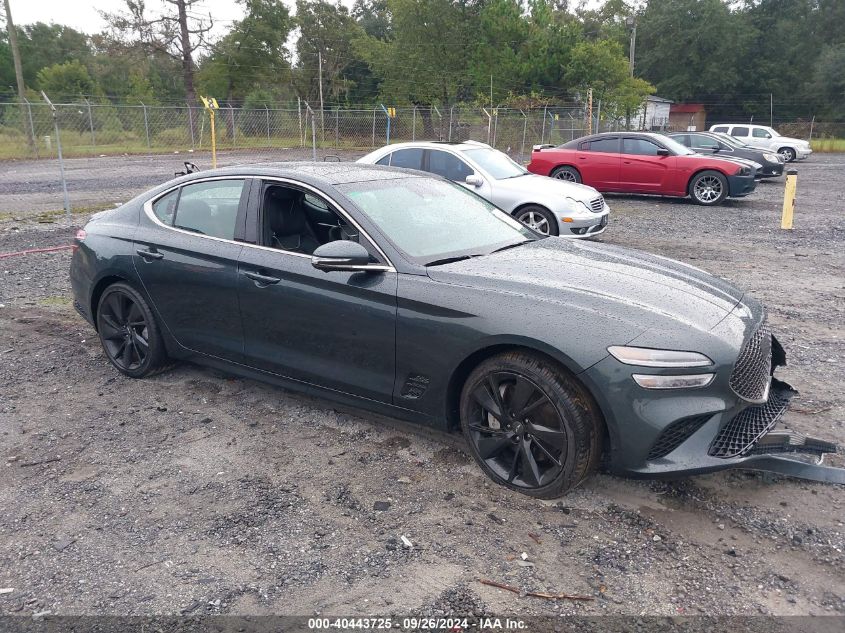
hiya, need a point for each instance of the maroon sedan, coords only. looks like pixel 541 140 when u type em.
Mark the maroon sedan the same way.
pixel 641 162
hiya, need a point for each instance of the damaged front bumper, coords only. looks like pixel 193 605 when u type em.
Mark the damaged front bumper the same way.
pixel 749 440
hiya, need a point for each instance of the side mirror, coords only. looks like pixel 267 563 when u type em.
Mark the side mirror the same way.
pixel 662 151
pixel 474 180
pixel 341 255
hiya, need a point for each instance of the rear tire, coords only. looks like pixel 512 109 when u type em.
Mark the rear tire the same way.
pixel 529 425
pixel 538 218
pixel 708 188
pixel 567 173
pixel 788 154
pixel 129 333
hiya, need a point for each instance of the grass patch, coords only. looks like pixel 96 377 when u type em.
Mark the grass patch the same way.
pixel 54 214
pixel 828 144
pixel 55 302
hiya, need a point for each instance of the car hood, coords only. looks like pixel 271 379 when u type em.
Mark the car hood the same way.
pixel 620 283
pixel 534 185
pixel 789 139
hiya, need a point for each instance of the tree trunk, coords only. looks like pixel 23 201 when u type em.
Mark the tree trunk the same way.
pixel 187 58
pixel 16 57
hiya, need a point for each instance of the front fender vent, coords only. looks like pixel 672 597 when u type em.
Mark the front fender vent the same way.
pixel 414 386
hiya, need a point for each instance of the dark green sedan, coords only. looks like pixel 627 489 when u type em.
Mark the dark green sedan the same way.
pixel 402 293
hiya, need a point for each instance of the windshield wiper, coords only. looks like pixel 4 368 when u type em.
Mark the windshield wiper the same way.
pixel 504 248
pixel 449 260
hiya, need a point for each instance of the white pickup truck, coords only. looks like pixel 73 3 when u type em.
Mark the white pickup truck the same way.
pixel 764 137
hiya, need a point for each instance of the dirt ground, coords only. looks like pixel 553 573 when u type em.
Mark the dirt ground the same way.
pixel 198 493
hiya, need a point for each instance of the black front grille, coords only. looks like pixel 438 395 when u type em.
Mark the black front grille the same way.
pixel 597 204
pixel 676 434
pixel 737 437
pixel 753 368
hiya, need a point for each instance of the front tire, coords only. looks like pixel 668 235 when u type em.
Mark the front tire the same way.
pixel 708 188
pixel 567 173
pixel 788 154
pixel 538 218
pixel 129 333
pixel 529 425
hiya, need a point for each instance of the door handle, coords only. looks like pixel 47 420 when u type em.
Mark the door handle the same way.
pixel 262 280
pixel 148 255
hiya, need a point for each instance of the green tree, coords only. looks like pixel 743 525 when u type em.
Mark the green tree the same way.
pixel 49 44
pixel 326 32
pixel 66 82
pixel 252 55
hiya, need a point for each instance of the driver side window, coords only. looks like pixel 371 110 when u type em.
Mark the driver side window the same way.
pixel 300 222
pixel 758 133
pixel 448 165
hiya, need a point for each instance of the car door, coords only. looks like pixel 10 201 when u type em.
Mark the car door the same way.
pixel 760 138
pixel 643 169
pixel 187 259
pixel 598 163
pixel 333 329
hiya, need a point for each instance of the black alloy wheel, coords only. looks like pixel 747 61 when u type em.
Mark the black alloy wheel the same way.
pixel 528 425
pixel 128 332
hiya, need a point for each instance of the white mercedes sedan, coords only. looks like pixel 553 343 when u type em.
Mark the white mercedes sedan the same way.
pixel 547 205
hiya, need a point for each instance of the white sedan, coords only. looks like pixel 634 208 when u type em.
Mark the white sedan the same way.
pixel 547 205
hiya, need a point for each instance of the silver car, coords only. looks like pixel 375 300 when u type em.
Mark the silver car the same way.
pixel 547 205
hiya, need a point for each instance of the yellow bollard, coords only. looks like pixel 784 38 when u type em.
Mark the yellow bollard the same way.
pixel 210 104
pixel 789 199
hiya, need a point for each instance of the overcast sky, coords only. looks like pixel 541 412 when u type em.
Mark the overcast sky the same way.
pixel 82 14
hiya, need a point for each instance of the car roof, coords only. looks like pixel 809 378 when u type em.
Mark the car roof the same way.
pixel 331 173
pixel 459 146
pixel 591 137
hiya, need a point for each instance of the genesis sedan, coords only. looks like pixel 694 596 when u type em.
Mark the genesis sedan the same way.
pixel 406 294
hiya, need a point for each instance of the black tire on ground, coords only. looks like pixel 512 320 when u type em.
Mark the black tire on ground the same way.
pixel 129 333
pixel 538 218
pixel 788 154
pixel 530 426
pixel 567 173
pixel 708 188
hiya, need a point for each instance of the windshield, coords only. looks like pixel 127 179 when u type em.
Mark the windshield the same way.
pixel 675 147
pixel 496 163
pixel 430 219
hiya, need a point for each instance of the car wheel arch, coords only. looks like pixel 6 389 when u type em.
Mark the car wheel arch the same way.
pixel 99 288
pixel 570 165
pixel 464 368
pixel 701 170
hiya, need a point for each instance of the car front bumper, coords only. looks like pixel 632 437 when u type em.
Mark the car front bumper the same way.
pixel 739 186
pixel 583 225
pixel 771 170
pixel 803 152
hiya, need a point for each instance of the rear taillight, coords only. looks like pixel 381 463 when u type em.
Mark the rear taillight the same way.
pixel 81 235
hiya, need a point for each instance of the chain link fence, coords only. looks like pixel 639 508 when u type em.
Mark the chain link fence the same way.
pixel 95 129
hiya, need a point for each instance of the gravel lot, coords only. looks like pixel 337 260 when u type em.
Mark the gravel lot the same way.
pixel 199 493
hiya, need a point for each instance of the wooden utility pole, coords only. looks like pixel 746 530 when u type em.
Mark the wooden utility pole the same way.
pixel 590 111
pixel 322 111
pixel 16 58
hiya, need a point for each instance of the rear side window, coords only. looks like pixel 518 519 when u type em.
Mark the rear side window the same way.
pixel 722 128
pixel 739 131
pixel 639 147
pixel 210 208
pixel 165 207
pixel 408 158
pixel 610 145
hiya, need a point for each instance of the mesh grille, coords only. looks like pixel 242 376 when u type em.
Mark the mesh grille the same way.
pixel 597 204
pixel 676 434
pixel 750 376
pixel 737 437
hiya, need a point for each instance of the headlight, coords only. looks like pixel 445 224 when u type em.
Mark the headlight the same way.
pixel 577 207
pixel 646 357
pixel 743 171
pixel 689 381
pixel 772 158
